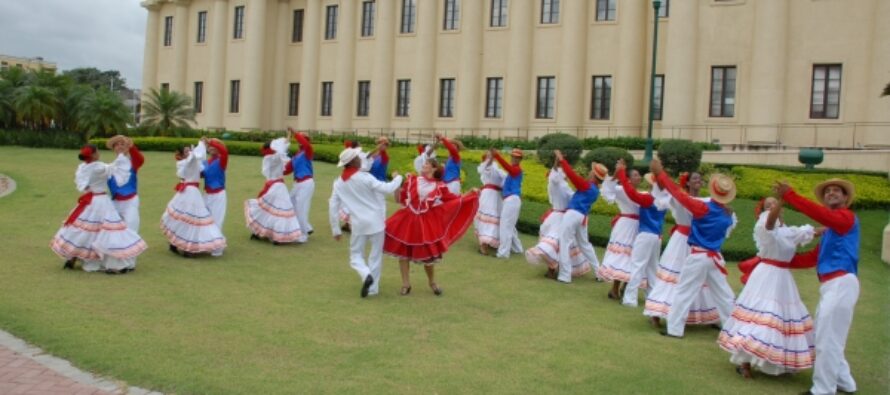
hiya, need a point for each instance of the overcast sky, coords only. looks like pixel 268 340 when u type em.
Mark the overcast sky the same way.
pixel 106 34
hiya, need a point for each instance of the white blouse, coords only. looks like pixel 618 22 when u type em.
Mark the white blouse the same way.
pixel 490 174
pixel 273 165
pixel 93 176
pixel 190 168
pixel 781 243
pixel 558 191
pixel 614 193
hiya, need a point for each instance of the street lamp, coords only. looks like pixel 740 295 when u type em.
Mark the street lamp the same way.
pixel 656 4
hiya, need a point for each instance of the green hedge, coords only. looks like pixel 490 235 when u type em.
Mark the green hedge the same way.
pixel 679 156
pixel 568 144
pixel 41 138
pixel 637 143
pixel 608 156
pixel 755 183
pixel 799 169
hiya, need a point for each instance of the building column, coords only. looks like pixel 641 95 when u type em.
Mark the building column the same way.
pixel 519 83
pixel 423 86
pixel 880 76
pixel 470 78
pixel 679 98
pixel 215 88
pixel 152 41
pixel 279 84
pixel 252 87
pixel 382 81
pixel 309 86
pixel 768 66
pixel 344 84
pixel 571 80
pixel 629 91
pixel 180 47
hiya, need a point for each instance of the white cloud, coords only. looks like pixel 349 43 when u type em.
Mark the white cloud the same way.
pixel 106 34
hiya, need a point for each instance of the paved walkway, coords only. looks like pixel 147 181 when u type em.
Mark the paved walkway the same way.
pixel 27 370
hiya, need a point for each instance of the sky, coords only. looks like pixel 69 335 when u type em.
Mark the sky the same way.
pixel 105 34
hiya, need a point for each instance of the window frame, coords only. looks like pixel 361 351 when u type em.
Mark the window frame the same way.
pixel 327 98
pixel 238 23
pixel 293 99
pixel 824 114
pixel 296 35
pixel 369 11
pixel 408 23
pixel 549 12
pixel 451 15
pixel 363 99
pixel 608 11
pixel 664 10
pixel 499 19
pixel 601 98
pixel 494 104
pixel 198 100
pixel 403 98
pixel 723 111
pixel 331 14
pixel 446 97
pixel 545 107
pixel 234 96
pixel 202 27
pixel 658 109
pixel 168 31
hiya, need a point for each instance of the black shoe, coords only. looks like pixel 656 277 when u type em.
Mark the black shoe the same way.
pixel 666 334
pixel 254 237
pixel 367 285
pixel 275 243
pixel 128 270
pixel 310 232
pixel 69 264
pixel 188 255
pixel 716 326
pixel 173 249
pixel 112 272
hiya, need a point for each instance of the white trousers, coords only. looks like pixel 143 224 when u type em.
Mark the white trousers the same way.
pixel 216 203
pixel 454 186
pixel 374 264
pixel 698 269
pixel 573 230
pixel 301 197
pixel 834 315
pixel 129 211
pixel 509 237
pixel 644 264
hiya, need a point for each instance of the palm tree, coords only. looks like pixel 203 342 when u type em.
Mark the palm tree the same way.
pixel 35 106
pixel 102 111
pixel 164 110
pixel 71 98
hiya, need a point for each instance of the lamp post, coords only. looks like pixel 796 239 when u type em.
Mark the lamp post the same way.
pixel 656 5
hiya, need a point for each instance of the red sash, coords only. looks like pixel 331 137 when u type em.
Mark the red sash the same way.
pixel 301 179
pixel 268 185
pixel 492 187
pixel 548 212
pixel 122 198
pixel 183 185
pixel 824 278
pixel 213 190
pixel 82 202
pixel 619 216
pixel 714 255
pixel 683 229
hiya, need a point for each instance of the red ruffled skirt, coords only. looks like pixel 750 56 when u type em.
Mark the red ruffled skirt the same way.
pixel 425 237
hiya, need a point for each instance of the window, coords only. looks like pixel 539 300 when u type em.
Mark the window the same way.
pixel 293 99
pixel 165 87
pixel 722 91
pixel 297 33
pixel 498 13
pixel 825 100
pixel 4 66
pixel 663 10
pixel 234 96
pixel 605 10
pixel 202 26
pixel 403 100
pixel 368 18
pixel 199 96
pixel 601 102
pixel 238 28
pixel 364 98
pixel 168 31
pixel 446 98
pixel 546 96
pixel 549 11
pixel 409 16
pixel 659 97
pixel 330 27
pixel 494 97
pixel 327 97
pixel 452 15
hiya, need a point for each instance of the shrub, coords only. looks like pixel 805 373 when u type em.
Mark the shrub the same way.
pixel 41 138
pixel 753 183
pixel 637 143
pixel 568 144
pixel 679 155
pixel 607 156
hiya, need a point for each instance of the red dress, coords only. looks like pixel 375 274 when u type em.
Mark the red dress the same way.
pixel 431 220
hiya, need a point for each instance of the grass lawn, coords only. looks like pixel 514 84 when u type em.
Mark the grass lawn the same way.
pixel 269 319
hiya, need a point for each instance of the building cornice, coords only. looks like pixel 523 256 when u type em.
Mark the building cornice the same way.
pixel 154 5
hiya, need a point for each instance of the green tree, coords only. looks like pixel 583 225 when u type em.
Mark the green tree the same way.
pixel 35 106
pixel 164 110
pixel 97 79
pixel 102 111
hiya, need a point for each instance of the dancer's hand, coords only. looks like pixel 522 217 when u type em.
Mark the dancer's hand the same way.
pixel 337 237
pixel 655 167
pixel 620 165
pixel 781 188
pixel 819 231
pixel 395 174
pixel 558 155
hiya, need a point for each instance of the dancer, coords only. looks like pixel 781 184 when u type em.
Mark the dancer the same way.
pixel 187 222
pixel 616 265
pixel 573 227
pixel 304 185
pixel 124 193
pixel 711 224
pixel 512 191
pixel 837 262
pixel 424 153
pixel 363 195
pixel 272 215
pixel 451 174
pixel 214 174
pixel 380 159
pixel 703 311
pixel 647 244
pixel 488 217
pixel 770 328
pixel 94 232
pixel 431 220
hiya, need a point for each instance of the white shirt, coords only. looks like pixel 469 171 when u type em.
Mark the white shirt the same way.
pixel 558 190
pixel 491 174
pixel 189 169
pixel 422 158
pixel 363 196
pixel 273 165
pixel 614 193
pixel 781 243
pixel 94 176
pixel 121 169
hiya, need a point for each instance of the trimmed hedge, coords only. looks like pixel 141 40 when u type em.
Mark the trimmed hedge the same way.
pixel 755 183
pixel 42 138
pixel 798 169
pixel 679 155
pixel 608 156
pixel 637 143
pixel 568 144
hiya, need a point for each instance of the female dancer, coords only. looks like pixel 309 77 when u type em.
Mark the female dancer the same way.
pixel 187 222
pixel 304 183
pixel 94 231
pixel 124 193
pixel 431 220
pixel 488 218
pixel 770 328
pixel 616 265
pixel 272 214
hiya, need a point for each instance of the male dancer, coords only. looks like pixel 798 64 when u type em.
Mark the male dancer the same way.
pixel 451 177
pixel 215 182
pixel 509 237
pixel 125 196
pixel 304 184
pixel 573 228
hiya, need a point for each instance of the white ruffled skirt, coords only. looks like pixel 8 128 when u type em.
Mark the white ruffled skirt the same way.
pixel 188 224
pixel 547 249
pixel 273 216
pixel 616 264
pixel 658 303
pixel 488 218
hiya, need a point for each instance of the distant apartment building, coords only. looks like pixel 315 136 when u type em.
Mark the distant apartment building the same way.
pixel 37 63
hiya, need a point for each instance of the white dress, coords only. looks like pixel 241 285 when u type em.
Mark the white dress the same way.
pixel 187 223
pixel 770 327
pixel 488 218
pixel 616 264
pixel 273 215
pixel 659 301
pixel 98 235
pixel 547 249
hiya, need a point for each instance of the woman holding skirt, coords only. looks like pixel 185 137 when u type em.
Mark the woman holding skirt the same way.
pixel 616 266
pixel 488 218
pixel 272 214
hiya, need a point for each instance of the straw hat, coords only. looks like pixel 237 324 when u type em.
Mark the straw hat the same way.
pixel 516 152
pixel 600 171
pixel 119 139
pixel 383 140
pixel 847 186
pixel 722 188
pixel 347 156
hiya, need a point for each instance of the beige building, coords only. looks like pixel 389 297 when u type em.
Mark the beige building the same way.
pixel 37 63
pixel 769 72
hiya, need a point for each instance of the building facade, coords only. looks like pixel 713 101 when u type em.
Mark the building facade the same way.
pixel 768 72
pixel 7 61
